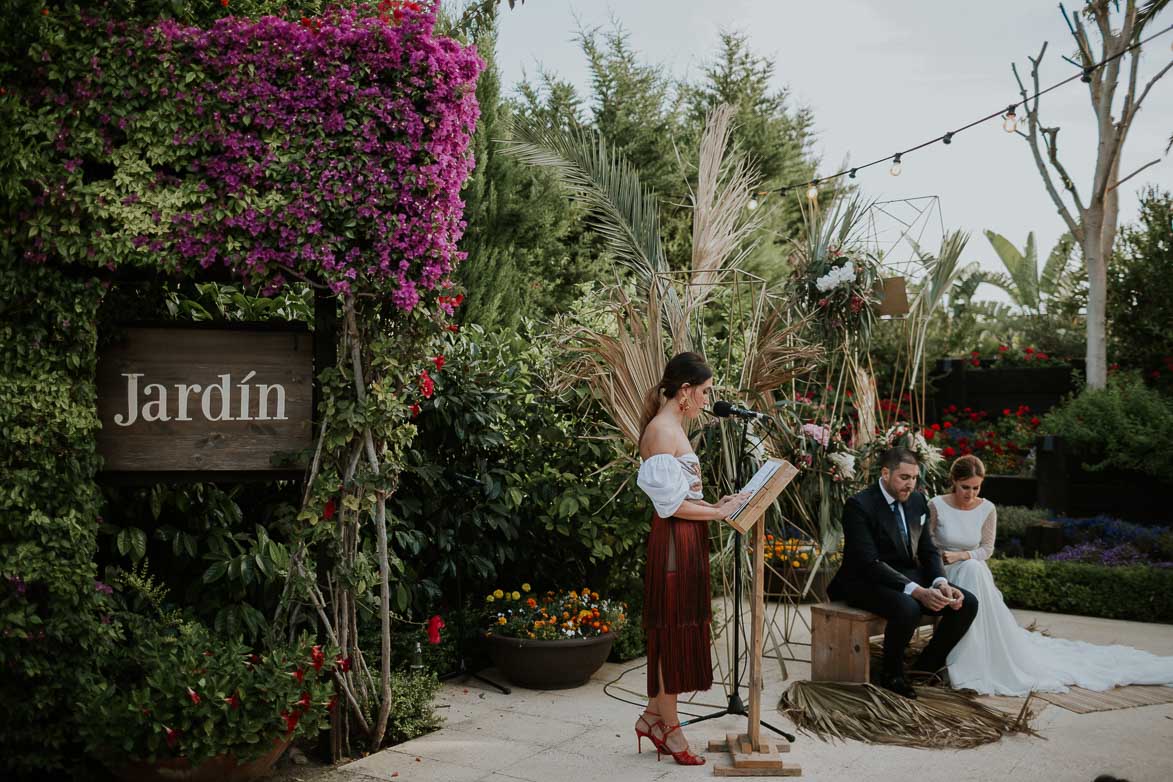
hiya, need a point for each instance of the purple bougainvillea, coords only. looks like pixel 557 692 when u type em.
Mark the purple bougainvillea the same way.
pixel 332 149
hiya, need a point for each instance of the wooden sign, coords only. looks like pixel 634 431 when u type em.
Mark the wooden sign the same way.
pixel 214 400
pixel 893 295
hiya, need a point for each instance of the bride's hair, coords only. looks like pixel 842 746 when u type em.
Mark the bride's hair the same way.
pixel 683 368
pixel 966 467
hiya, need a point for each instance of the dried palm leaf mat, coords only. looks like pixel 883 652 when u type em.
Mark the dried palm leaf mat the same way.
pixel 939 719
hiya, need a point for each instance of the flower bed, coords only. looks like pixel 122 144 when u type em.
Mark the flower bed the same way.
pixel 553 615
pixel 1003 442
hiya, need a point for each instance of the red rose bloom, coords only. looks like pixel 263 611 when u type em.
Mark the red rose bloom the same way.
pixel 949 452
pixel 435 625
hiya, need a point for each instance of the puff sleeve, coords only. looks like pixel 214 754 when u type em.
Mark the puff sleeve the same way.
pixel 665 483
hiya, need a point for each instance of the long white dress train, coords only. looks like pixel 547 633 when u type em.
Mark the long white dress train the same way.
pixel 998 656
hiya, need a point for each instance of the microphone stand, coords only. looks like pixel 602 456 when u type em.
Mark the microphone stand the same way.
pixel 736 706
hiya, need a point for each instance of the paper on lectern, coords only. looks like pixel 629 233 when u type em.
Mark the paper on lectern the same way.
pixel 756 483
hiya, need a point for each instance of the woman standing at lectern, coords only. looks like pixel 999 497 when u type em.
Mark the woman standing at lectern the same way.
pixel 677 600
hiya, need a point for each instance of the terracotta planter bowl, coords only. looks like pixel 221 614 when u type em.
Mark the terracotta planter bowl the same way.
pixel 222 768
pixel 549 665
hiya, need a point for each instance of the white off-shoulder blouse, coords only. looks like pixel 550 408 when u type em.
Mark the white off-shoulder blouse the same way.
pixel 670 480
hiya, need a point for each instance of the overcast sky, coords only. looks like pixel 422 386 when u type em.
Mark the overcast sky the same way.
pixel 883 76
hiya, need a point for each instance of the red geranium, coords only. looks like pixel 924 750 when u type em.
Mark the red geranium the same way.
pixel 435 625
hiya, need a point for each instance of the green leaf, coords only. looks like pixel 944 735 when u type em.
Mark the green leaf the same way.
pixel 215 572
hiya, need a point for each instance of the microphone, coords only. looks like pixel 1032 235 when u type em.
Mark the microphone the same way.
pixel 725 409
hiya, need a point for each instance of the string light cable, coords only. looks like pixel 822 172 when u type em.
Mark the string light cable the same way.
pixel 1007 115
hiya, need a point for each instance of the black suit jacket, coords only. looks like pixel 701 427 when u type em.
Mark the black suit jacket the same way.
pixel 874 552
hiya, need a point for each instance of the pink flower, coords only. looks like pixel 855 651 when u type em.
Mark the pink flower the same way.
pixel 820 434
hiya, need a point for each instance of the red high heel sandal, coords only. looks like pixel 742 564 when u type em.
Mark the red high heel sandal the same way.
pixel 683 757
pixel 641 735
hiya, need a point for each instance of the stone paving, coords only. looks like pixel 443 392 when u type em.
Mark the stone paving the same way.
pixel 584 735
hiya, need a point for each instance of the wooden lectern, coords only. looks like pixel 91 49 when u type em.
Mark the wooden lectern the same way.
pixel 750 756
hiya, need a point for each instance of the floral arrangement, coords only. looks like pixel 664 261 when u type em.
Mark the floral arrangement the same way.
pixel 840 288
pixel 552 616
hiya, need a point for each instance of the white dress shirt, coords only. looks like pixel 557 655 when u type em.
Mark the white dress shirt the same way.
pixel 911 586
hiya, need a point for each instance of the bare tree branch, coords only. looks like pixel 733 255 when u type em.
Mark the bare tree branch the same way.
pixel 1134 173
pixel 1051 139
pixel 1032 116
pixel 1144 93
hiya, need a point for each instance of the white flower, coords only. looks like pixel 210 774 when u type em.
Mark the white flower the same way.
pixel 840 275
pixel 844 463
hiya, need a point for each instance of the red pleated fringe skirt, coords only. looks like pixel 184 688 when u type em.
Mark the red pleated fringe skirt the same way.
pixel 677 607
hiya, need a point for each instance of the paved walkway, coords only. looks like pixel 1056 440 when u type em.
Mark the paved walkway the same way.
pixel 582 734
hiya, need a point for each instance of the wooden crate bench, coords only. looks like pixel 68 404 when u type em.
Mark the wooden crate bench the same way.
pixel 840 650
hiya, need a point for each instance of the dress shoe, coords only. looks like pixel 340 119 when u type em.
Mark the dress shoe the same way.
pixel 898 685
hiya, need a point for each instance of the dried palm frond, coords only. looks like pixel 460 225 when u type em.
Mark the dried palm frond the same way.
pixel 721 220
pixel 623 210
pixel 621 366
pixel 939 718
pixel 777 354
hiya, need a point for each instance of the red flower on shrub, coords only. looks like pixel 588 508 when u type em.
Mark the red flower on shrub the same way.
pixel 977 362
pixel 328 511
pixel 233 701
pixel 317 657
pixel 435 625
pixel 930 434
pixel 193 695
pixel 949 452
pixel 291 720
pixel 305 701
pixel 1028 351
pixel 343 663
pixel 1002 348
pixel 332 703
pixel 299 675
pixel 439 362
pixel 947 425
pixel 427 385
pixel 224 3
pixel 415 409
pixel 453 327
pixel 172 736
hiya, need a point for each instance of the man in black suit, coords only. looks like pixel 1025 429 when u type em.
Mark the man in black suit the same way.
pixel 891 568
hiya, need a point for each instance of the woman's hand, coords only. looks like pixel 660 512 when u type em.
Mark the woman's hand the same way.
pixel 730 503
pixel 954 556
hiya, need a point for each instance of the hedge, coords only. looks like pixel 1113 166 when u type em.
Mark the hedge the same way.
pixel 1138 592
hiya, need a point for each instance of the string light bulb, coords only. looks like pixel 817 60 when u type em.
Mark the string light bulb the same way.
pixel 896 166
pixel 812 192
pixel 948 138
pixel 851 175
pixel 1009 120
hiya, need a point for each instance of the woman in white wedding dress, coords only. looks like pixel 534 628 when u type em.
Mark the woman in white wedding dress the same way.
pixel 997 656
